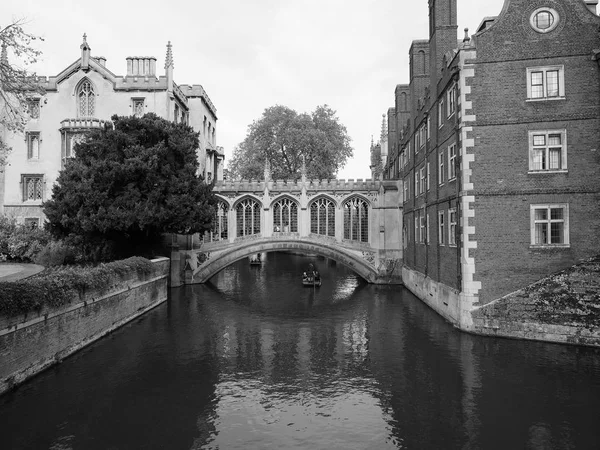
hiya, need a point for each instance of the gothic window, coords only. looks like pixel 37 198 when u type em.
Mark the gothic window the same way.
pixel 322 217
pixel 247 217
pixel 33 187
pixel 33 105
pixel 285 215
pixel 86 99
pixel 356 220
pixel 69 141
pixel 220 221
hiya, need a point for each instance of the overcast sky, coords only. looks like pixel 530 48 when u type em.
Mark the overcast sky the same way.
pixel 252 54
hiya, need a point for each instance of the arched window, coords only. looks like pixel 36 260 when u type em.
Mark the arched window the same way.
pixel 220 221
pixel 247 217
pixel 86 99
pixel 322 217
pixel 356 220
pixel 285 215
pixel 421 60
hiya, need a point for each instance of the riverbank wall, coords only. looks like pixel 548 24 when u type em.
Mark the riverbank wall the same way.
pixel 32 342
pixel 562 308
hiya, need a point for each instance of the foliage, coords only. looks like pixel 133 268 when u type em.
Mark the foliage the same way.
pixel 56 253
pixel 21 242
pixel 127 185
pixel 61 285
pixel 283 137
pixel 17 84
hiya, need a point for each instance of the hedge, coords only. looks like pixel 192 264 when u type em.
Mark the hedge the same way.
pixel 58 286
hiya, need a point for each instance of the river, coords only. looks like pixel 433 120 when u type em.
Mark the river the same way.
pixel 255 360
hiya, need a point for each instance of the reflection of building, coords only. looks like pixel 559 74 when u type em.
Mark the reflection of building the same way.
pixel 496 141
pixel 84 96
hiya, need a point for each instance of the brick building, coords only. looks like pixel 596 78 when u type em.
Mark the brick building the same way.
pixel 82 97
pixel 495 138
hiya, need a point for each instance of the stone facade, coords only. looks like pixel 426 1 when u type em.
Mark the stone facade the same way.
pixel 84 96
pixel 496 143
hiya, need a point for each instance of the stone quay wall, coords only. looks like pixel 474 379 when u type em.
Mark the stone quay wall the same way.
pixel 32 342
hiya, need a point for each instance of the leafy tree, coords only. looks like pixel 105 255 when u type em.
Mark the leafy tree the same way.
pixel 284 138
pixel 17 84
pixel 129 184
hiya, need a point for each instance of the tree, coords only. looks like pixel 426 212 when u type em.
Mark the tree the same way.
pixel 17 84
pixel 128 184
pixel 284 138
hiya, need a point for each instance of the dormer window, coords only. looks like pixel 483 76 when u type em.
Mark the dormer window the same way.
pixel 86 100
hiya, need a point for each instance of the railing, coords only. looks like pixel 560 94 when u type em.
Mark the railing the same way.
pixel 83 123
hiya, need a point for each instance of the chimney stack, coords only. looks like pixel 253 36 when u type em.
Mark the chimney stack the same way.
pixel 141 66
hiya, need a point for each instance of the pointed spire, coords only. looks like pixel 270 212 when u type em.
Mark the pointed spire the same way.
pixel 169 58
pixel 303 169
pixel 4 55
pixel 85 53
pixel 267 172
pixel 384 131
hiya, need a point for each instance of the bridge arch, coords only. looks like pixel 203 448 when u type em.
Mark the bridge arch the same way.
pixel 214 264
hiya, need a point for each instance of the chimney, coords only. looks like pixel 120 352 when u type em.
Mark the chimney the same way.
pixel 101 60
pixel 591 4
pixel 144 66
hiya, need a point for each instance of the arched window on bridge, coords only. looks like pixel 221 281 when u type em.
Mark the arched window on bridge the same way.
pixel 322 217
pixel 285 215
pixel 248 217
pixel 356 220
pixel 220 221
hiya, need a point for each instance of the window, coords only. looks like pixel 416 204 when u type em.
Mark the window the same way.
pixel 428 172
pixel 441 106
pixel 33 106
pixel 427 229
pixel 69 141
pixel 441 228
pixel 452 162
pixel 33 187
pixel 220 221
pixel 285 216
pixel 423 177
pixel 422 136
pixel 322 217
pixel 428 127
pixel 417 241
pixel 406 189
pixel 452 227
pixel 451 100
pixel 138 107
pixel 417 187
pixel 356 220
pixel 545 83
pixel 422 230
pixel 247 217
pixel 86 99
pixel 544 20
pixel 442 171
pixel 548 150
pixel 176 115
pixel 550 225
pixel 33 144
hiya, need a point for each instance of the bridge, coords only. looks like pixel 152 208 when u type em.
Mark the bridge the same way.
pixel 357 223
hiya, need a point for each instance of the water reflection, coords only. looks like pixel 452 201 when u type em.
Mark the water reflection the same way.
pixel 256 360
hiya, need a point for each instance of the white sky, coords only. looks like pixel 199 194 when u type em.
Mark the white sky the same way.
pixel 252 54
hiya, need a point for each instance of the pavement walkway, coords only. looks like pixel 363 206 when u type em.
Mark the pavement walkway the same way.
pixel 18 271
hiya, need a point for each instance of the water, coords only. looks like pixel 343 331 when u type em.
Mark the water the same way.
pixel 254 360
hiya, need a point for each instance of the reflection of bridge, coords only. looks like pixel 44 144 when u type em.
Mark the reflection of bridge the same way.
pixel 357 223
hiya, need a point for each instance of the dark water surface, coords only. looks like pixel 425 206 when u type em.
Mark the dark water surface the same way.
pixel 254 360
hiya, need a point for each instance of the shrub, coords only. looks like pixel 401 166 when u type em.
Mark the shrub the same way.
pixel 59 285
pixel 55 253
pixel 21 242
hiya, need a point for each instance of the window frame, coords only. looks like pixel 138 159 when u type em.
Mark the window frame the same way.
pixel 565 221
pixel 452 227
pixel 545 69
pixel 441 107
pixel 29 138
pixel 451 100
pixel 441 228
pixel 563 156
pixel 441 167
pixel 34 176
pixel 138 100
pixel 452 162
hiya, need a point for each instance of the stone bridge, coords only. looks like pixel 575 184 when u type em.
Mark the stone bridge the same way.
pixel 356 223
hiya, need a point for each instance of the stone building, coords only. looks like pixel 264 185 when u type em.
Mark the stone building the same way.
pixel 495 138
pixel 84 96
